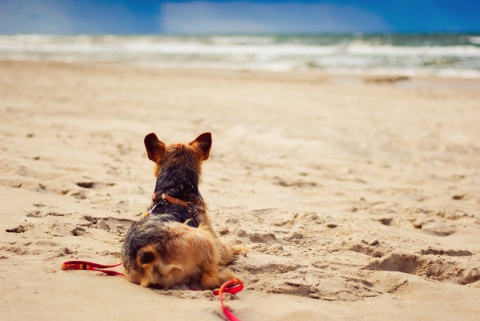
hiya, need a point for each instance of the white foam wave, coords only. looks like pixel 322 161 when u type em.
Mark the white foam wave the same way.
pixel 220 45
pixel 248 52
pixel 383 50
pixel 475 40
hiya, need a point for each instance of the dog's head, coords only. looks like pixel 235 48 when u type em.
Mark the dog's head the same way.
pixel 189 155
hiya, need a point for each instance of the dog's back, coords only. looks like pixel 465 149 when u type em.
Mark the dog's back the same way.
pixel 177 169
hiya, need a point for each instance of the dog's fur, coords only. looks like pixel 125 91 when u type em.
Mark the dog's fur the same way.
pixel 176 244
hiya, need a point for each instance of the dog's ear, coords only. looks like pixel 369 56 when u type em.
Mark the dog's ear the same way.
pixel 203 143
pixel 155 148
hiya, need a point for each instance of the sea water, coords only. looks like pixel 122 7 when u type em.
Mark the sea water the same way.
pixel 454 55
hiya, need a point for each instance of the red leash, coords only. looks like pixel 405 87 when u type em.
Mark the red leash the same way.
pixel 233 286
pixel 90 266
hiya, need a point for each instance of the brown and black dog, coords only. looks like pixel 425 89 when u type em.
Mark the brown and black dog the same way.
pixel 175 243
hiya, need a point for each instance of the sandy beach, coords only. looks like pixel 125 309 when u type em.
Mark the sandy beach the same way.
pixel 358 196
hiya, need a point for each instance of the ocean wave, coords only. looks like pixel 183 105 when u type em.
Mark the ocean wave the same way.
pixel 447 55
pixel 475 40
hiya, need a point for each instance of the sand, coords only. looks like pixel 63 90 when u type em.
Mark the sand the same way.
pixel 359 198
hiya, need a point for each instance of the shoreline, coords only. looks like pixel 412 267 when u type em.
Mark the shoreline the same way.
pixel 337 78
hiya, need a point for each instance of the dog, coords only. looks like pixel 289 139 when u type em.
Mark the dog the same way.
pixel 175 243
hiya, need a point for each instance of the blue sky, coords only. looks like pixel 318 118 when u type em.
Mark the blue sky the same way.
pixel 202 17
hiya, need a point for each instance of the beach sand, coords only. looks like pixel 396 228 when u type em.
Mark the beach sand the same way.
pixel 359 198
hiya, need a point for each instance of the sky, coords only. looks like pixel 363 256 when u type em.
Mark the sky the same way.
pixel 237 17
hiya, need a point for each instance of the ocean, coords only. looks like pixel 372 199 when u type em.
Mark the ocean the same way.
pixel 447 55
